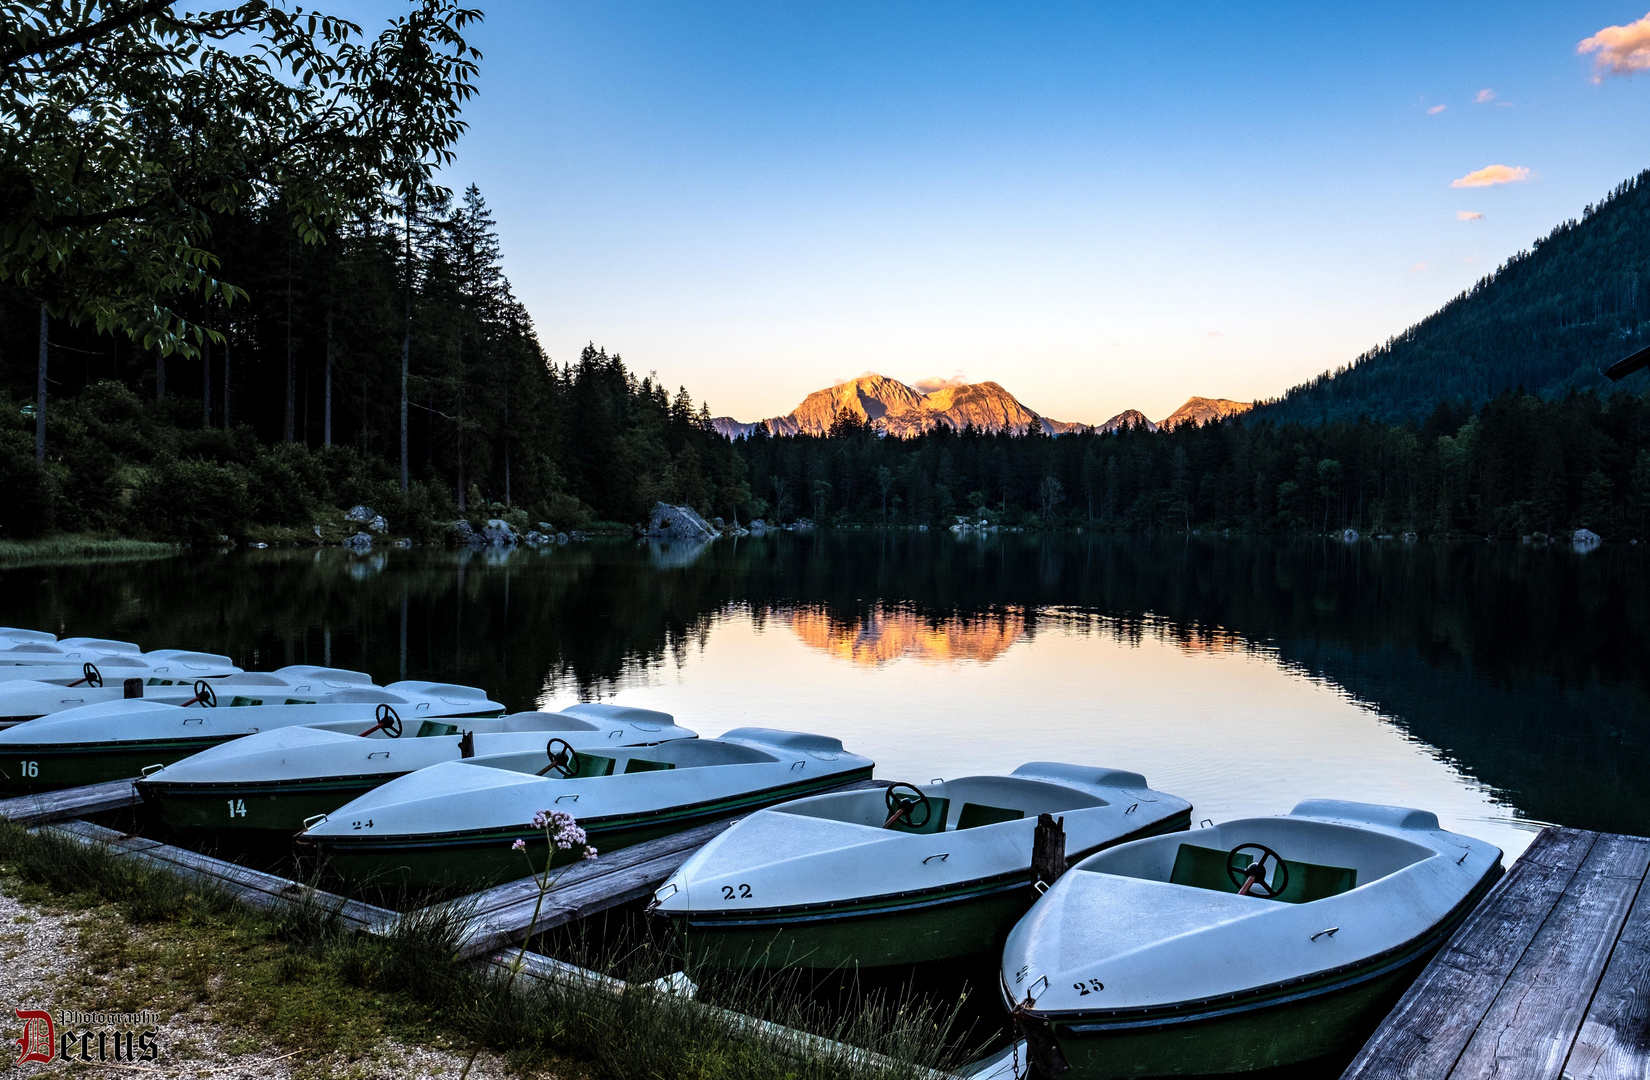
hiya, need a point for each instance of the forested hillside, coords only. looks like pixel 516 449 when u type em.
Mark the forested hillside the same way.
pixel 1548 322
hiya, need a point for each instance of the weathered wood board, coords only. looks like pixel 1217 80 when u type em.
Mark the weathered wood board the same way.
pixel 1549 978
pixel 69 803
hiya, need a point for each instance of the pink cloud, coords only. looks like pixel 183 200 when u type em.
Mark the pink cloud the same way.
pixel 1622 50
pixel 1484 96
pixel 1467 215
pixel 936 382
pixel 1436 109
pixel 1491 175
pixel 1418 267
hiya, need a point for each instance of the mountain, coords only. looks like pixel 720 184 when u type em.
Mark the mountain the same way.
pixel 1200 410
pixel 1547 320
pixel 1128 418
pixel 893 408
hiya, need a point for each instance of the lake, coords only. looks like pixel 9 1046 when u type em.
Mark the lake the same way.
pixel 1498 685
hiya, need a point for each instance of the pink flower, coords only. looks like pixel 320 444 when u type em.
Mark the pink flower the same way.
pixel 589 853
pixel 541 819
pixel 519 845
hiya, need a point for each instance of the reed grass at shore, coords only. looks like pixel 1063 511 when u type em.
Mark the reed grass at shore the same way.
pixel 299 978
pixel 79 548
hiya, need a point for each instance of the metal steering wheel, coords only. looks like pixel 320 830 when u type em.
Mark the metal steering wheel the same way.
pixel 906 806
pixel 389 721
pixel 564 760
pixel 1251 880
pixel 90 675
pixel 205 694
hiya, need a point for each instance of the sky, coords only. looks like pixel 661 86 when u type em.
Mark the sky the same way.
pixel 1100 206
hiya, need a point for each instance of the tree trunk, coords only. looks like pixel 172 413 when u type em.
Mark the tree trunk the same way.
pixel 291 404
pixel 160 377
pixel 40 388
pixel 326 427
pixel 507 447
pixel 206 383
pixel 406 344
pixel 228 336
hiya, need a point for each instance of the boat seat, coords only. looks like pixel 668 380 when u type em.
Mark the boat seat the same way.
pixel 1205 868
pixel 431 728
pixel 637 764
pixel 937 808
pixel 593 765
pixel 975 814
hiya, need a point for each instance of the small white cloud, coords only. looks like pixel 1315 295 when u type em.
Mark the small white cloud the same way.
pixel 938 382
pixel 1484 96
pixel 1418 267
pixel 1216 333
pixel 1622 50
pixel 1468 215
pixel 1436 109
pixel 1490 175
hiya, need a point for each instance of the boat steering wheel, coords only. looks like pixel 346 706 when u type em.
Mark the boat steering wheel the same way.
pixel 564 762
pixel 90 675
pixel 1251 880
pixel 204 694
pixel 904 807
pixel 389 722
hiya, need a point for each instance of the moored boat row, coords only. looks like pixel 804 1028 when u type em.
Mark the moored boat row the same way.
pixel 1162 951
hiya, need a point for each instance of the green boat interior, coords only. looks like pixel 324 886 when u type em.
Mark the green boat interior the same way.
pixel 1300 860
pixel 623 761
pixel 947 806
pixel 1302 882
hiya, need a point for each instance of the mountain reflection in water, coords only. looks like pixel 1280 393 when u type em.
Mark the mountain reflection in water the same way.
pixel 1513 674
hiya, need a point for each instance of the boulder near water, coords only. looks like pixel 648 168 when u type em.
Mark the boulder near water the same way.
pixel 669 522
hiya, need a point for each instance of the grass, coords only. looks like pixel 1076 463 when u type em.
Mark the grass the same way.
pixel 300 978
pixel 78 548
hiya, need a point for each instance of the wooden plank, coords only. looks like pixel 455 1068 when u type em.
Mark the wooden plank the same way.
pixel 1615 1036
pixel 69 802
pixel 252 887
pixel 1435 1019
pixel 1537 1015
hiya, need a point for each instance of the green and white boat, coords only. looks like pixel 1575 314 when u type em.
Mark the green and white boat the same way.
pixel 183 678
pixel 118 739
pixel 453 824
pixel 32 650
pixel 1255 944
pixel 275 780
pixel 171 665
pixel 897 877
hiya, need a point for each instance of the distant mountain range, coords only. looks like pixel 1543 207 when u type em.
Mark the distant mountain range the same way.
pixel 893 408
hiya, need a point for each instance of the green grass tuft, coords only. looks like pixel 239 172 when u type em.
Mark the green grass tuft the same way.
pixel 79 549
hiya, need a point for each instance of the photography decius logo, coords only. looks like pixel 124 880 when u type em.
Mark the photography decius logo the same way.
pixel 75 1036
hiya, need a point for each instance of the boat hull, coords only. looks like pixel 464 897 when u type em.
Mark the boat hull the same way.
pixel 272 807
pixel 1323 1017
pixel 474 860
pixel 963 919
pixel 28 770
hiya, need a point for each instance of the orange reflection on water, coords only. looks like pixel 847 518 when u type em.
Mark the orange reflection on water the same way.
pixel 890 634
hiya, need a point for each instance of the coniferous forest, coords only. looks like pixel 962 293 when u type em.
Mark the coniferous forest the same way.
pixel 226 320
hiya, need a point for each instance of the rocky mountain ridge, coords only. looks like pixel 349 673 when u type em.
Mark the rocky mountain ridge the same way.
pixel 893 408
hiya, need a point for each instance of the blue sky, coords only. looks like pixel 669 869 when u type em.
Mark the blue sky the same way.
pixel 1101 206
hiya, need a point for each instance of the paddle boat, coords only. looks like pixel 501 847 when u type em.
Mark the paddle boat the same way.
pixel 152 668
pixel 117 739
pixel 186 678
pixel 1258 943
pixel 900 876
pixel 66 650
pixel 455 823
pixel 16 635
pixel 278 779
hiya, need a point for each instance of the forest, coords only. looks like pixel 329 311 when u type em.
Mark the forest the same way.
pixel 246 320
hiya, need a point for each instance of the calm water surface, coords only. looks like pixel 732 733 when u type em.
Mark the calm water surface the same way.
pixel 1496 685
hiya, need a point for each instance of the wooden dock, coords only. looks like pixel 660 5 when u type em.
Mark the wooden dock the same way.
pixel 1548 978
